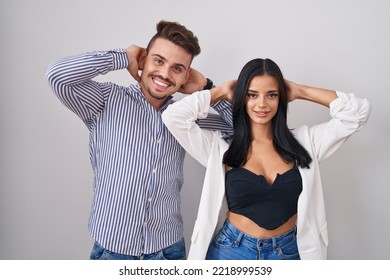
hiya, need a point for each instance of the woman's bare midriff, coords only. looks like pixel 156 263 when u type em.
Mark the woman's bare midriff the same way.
pixel 249 227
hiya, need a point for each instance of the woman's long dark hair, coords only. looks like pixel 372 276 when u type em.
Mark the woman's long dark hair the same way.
pixel 284 142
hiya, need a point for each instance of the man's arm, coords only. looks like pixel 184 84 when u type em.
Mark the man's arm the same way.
pixel 71 80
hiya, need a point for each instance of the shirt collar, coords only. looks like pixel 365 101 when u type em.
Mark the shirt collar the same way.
pixel 136 88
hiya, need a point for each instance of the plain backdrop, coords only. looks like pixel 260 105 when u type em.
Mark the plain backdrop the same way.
pixel 45 173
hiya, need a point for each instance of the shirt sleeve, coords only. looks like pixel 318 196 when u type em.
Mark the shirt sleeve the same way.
pixel 349 114
pixel 181 120
pixel 223 121
pixel 71 79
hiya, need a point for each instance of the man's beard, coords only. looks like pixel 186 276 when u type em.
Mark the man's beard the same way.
pixel 155 96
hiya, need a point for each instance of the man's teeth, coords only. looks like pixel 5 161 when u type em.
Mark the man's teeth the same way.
pixel 160 83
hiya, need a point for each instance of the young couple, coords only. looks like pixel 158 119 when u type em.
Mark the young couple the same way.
pixel 266 174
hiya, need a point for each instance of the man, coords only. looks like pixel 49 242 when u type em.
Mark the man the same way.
pixel 137 163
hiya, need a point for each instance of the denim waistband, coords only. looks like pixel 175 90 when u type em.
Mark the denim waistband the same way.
pixel 247 240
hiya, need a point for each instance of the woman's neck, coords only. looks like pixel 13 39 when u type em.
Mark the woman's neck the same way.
pixel 262 133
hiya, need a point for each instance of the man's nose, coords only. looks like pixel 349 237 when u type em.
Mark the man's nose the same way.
pixel 164 71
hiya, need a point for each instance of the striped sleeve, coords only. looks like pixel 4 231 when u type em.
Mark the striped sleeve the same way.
pixel 223 121
pixel 71 79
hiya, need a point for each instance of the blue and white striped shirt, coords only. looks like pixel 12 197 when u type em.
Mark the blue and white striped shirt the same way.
pixel 137 163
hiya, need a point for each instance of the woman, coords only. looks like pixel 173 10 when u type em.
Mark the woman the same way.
pixel 268 174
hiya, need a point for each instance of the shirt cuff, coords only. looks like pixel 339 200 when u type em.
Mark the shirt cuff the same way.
pixel 119 59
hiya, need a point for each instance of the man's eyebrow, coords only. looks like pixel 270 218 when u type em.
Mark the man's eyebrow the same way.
pixel 175 64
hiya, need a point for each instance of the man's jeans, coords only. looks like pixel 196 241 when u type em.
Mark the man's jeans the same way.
pixel 176 251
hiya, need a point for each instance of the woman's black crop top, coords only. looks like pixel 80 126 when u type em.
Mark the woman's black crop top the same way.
pixel 269 206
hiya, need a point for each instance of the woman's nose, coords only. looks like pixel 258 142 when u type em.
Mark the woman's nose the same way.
pixel 260 102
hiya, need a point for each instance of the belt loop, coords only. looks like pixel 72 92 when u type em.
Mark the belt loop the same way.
pixel 274 243
pixel 237 241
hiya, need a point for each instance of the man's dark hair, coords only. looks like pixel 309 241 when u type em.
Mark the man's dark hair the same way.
pixel 177 34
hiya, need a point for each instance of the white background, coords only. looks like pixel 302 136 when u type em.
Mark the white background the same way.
pixel 45 174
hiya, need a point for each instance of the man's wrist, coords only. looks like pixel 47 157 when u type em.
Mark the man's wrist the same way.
pixel 216 94
pixel 209 84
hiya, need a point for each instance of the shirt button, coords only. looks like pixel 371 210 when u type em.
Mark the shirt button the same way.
pixel 154 170
pixel 159 141
pixel 150 199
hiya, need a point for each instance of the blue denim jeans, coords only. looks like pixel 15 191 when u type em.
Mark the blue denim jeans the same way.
pixel 175 251
pixel 232 244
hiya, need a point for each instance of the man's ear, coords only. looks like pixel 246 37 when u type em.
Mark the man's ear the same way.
pixel 188 75
pixel 142 59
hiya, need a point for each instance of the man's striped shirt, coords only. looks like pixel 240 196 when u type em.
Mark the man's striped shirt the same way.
pixel 137 163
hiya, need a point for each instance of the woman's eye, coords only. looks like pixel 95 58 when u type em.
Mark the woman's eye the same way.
pixel 272 95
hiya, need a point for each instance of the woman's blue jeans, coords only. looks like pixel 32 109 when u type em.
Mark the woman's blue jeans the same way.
pixel 232 244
